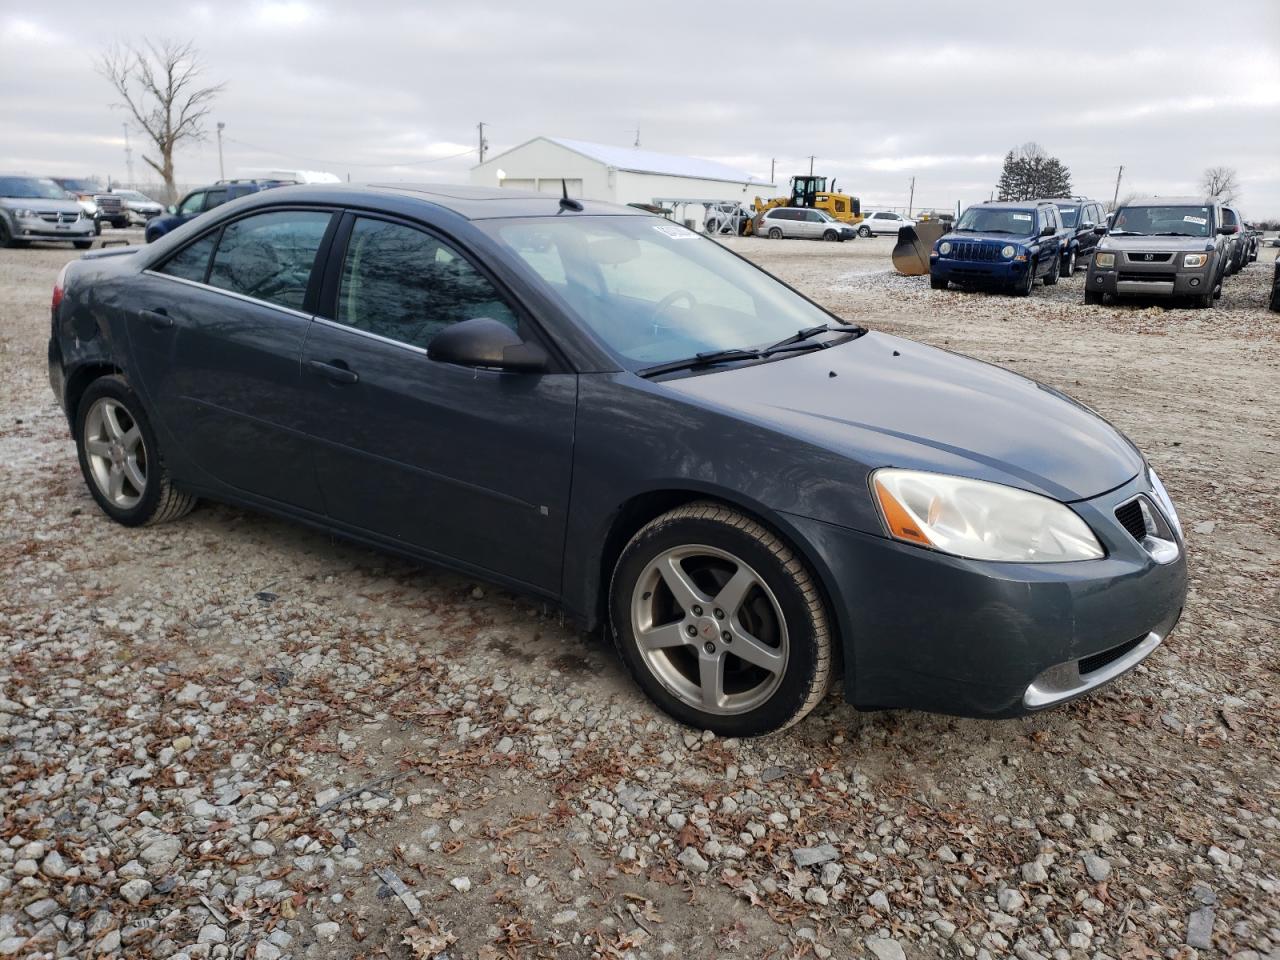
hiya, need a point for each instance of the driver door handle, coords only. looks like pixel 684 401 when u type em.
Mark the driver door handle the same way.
pixel 158 319
pixel 334 370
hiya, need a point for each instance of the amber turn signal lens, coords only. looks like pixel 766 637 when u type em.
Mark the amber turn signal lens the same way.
pixel 900 523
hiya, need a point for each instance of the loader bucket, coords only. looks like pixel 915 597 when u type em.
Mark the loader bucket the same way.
pixel 911 255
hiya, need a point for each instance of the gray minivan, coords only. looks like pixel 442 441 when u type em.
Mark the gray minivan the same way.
pixel 779 222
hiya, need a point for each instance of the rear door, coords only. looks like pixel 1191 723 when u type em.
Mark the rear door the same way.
pixel 217 337
pixel 469 464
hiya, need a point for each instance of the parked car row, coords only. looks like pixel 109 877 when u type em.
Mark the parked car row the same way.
pixel 203 199
pixel 48 219
pixel 1157 247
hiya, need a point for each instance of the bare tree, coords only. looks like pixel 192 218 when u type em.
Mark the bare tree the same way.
pixel 160 84
pixel 1220 183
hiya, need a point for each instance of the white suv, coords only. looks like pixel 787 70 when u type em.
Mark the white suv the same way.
pixel 883 221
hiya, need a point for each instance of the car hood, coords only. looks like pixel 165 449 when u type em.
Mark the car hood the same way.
pixel 885 401
pixel 37 203
pixel 1155 244
pixel 1000 238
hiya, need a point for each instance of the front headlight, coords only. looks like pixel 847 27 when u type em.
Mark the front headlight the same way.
pixel 1008 251
pixel 1195 259
pixel 26 214
pixel 945 248
pixel 980 520
pixel 1104 260
pixel 1162 497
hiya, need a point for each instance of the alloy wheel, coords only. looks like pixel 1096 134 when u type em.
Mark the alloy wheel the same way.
pixel 116 454
pixel 709 629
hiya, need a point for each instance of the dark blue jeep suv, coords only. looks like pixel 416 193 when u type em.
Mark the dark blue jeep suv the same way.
pixel 1006 243
pixel 205 198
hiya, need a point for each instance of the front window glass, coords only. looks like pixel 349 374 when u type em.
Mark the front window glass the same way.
pixel 404 284
pixel 997 220
pixel 1162 221
pixel 654 292
pixel 213 198
pixel 270 256
pixel 1070 216
pixel 192 204
pixel 31 188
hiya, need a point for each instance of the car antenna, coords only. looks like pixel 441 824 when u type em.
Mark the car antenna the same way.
pixel 565 202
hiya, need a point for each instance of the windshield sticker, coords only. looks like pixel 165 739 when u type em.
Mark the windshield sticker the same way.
pixel 1200 220
pixel 1067 209
pixel 1022 216
pixel 675 232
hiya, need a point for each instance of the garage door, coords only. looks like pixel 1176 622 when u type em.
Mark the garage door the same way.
pixel 517 184
pixel 554 186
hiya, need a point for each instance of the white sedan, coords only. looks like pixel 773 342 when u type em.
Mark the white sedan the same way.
pixel 883 221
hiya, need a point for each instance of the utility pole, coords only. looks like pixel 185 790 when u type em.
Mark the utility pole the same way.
pixel 811 159
pixel 637 138
pixel 1116 198
pixel 773 162
pixel 911 200
pixel 128 154
pixel 484 144
pixel 222 174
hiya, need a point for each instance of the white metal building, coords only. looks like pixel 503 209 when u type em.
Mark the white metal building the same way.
pixel 598 171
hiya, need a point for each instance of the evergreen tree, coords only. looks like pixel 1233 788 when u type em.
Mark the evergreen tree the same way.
pixel 1031 174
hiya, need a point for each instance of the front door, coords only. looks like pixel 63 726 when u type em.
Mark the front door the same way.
pixel 217 331
pixel 468 464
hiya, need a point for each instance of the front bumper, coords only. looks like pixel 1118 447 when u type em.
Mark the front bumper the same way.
pixel 1136 279
pixel 924 630
pixel 41 229
pixel 977 271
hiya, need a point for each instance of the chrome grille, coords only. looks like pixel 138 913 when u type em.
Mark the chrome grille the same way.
pixel 1148 257
pixel 1130 517
pixel 53 217
pixel 108 203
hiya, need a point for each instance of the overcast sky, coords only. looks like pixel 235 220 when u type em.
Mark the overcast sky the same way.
pixel 880 92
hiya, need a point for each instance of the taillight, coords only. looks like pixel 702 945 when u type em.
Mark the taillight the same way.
pixel 57 288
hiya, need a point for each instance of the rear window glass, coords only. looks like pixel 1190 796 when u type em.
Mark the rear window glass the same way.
pixel 192 261
pixel 270 256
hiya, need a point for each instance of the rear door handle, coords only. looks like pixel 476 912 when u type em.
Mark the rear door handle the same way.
pixel 335 370
pixel 158 319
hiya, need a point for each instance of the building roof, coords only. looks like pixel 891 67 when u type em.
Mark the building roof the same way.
pixel 635 160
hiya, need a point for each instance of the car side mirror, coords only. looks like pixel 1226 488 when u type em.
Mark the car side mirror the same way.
pixel 1100 229
pixel 172 208
pixel 1088 225
pixel 1226 231
pixel 484 342
pixel 1047 232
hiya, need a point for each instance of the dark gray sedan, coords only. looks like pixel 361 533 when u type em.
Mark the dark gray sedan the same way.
pixel 599 407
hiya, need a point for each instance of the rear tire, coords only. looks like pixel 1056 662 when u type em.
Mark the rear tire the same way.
pixel 775 233
pixel 864 232
pixel 760 656
pixel 120 457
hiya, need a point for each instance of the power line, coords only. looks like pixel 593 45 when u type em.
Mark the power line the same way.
pixel 343 163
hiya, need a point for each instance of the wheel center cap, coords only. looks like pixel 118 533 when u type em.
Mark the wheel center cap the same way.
pixel 708 629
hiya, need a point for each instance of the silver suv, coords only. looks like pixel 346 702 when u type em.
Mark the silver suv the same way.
pixel 803 223
pixel 36 208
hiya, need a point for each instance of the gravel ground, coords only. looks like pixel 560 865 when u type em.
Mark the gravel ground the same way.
pixel 234 737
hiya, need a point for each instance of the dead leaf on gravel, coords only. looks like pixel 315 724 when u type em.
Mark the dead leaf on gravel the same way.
pixel 429 943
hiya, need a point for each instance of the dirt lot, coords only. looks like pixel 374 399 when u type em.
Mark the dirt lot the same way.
pixel 234 737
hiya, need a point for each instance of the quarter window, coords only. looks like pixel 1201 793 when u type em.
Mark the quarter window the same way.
pixel 270 256
pixel 214 198
pixel 192 261
pixel 404 284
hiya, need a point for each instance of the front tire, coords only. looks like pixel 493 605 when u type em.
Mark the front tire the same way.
pixel 120 457
pixel 1051 276
pixel 1093 298
pixel 82 244
pixel 1069 267
pixel 830 236
pixel 937 283
pixel 1023 289
pixel 720 622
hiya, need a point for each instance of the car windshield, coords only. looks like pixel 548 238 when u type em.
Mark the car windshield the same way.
pixel 655 292
pixel 31 188
pixel 1177 221
pixel 998 220
pixel 80 186
pixel 130 194
pixel 1070 215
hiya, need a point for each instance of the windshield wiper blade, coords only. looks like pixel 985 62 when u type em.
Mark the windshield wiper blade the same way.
pixel 705 359
pixel 1173 233
pixel 1127 233
pixel 808 333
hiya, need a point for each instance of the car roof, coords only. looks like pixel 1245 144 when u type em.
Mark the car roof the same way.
pixel 1012 204
pixel 1171 202
pixel 473 203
